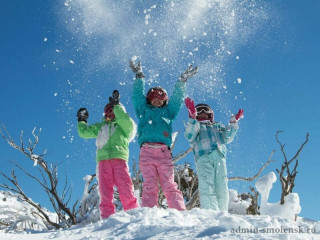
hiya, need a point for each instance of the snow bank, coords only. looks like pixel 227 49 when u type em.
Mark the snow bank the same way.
pixel 236 204
pixel 146 223
pixel 288 210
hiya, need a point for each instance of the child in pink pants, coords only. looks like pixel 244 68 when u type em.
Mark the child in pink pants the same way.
pixel 156 115
pixel 112 135
pixel 156 164
pixel 115 172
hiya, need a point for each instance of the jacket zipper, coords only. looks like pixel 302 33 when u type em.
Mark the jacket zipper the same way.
pixel 109 140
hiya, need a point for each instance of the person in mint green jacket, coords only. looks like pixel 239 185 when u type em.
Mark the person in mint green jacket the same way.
pixel 208 140
pixel 156 113
pixel 112 135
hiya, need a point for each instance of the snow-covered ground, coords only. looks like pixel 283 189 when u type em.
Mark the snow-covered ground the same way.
pixel 154 223
pixel 146 223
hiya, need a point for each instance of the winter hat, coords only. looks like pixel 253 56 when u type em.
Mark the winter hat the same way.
pixel 202 107
pixel 157 92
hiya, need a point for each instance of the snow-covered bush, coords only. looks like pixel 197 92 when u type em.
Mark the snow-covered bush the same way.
pixel 237 203
pixel 288 210
pixel 17 215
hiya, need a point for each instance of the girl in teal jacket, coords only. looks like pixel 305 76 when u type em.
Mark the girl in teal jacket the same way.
pixel 112 135
pixel 156 114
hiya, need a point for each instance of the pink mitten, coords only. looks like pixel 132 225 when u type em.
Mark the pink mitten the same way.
pixel 239 114
pixel 235 118
pixel 190 106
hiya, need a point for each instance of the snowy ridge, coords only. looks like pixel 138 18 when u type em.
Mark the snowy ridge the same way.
pixel 146 223
pixel 154 223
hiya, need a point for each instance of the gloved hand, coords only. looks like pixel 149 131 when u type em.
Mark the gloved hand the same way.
pixel 190 72
pixel 136 68
pixel 115 99
pixel 190 106
pixel 82 115
pixel 235 118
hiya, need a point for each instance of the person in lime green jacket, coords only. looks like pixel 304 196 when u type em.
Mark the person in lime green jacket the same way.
pixel 112 135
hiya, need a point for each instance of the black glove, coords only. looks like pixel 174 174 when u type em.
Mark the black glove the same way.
pixel 190 72
pixel 137 69
pixel 115 99
pixel 82 115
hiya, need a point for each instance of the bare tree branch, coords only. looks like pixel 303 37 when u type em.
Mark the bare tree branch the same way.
pixel 193 201
pixel 28 174
pixel 5 224
pixel 181 155
pixel 49 175
pixel 137 182
pixel 253 209
pixel 259 172
pixel 24 197
pixel 300 149
pixel 287 182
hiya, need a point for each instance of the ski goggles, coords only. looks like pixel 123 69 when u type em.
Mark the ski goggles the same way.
pixel 203 109
pixel 157 93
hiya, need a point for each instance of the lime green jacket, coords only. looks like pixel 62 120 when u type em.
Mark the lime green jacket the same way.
pixel 112 137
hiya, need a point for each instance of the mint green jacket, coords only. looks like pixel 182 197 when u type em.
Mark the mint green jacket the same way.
pixel 112 137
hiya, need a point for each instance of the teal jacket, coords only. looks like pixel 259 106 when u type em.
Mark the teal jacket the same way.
pixel 208 137
pixel 112 137
pixel 155 124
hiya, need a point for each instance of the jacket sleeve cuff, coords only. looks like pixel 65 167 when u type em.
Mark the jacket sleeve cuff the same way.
pixel 192 121
pixel 234 125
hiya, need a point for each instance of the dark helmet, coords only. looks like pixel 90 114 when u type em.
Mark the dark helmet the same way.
pixel 157 92
pixel 202 107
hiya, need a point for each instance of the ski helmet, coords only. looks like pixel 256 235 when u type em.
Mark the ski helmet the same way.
pixel 202 107
pixel 108 111
pixel 157 92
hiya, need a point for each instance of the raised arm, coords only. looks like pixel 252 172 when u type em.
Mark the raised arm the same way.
pixel 123 120
pixel 84 130
pixel 176 100
pixel 138 98
pixel 227 134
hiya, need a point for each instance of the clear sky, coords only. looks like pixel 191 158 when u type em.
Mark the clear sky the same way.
pixel 262 56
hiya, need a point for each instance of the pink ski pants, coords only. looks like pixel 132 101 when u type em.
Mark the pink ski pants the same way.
pixel 156 165
pixel 115 172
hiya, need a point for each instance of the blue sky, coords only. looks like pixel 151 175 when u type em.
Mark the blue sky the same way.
pixel 262 56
